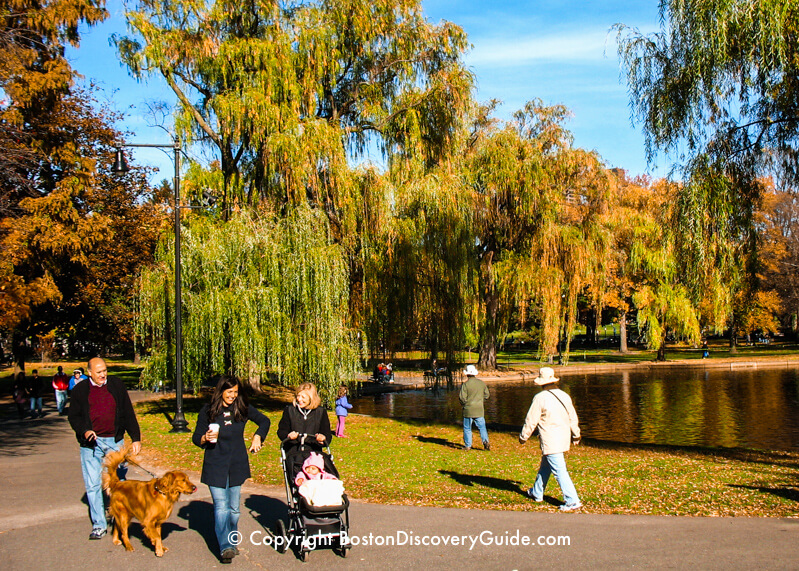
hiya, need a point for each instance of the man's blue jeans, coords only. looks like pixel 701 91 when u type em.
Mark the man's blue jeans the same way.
pixel 226 514
pixel 467 430
pixel 91 462
pixel 60 400
pixel 555 464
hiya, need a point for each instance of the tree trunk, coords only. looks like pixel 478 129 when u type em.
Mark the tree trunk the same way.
pixel 733 338
pixel 253 377
pixel 19 350
pixel 488 339
pixel 597 325
pixel 488 350
pixel 662 349
pixel 623 332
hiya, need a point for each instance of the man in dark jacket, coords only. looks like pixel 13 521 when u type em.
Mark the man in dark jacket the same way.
pixel 473 393
pixel 100 413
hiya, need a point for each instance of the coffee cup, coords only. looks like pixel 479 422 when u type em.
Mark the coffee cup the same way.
pixel 213 427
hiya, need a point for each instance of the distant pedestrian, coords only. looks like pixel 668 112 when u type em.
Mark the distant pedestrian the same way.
pixel 342 410
pixel 100 413
pixel 473 393
pixel 35 386
pixel 60 385
pixel 553 418
pixel 20 394
pixel 77 376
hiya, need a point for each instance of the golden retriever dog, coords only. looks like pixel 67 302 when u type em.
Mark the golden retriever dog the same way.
pixel 149 502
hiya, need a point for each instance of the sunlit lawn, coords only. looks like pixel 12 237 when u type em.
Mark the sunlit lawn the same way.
pixel 412 463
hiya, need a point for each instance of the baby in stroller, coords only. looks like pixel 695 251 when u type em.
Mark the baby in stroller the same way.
pixel 313 469
pixel 319 488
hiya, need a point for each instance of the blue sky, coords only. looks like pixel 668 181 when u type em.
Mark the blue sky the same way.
pixel 559 51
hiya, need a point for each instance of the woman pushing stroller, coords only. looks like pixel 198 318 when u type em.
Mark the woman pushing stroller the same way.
pixel 317 506
pixel 305 415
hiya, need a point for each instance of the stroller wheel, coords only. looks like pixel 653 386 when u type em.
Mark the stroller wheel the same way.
pixel 304 556
pixel 343 552
pixel 281 532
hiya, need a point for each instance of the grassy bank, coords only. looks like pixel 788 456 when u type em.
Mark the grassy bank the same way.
pixel 397 462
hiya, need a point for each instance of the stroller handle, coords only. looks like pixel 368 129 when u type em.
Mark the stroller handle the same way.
pixel 301 438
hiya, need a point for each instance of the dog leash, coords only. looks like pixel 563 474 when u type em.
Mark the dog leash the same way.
pixel 106 449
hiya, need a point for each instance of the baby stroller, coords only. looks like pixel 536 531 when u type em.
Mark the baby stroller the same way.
pixel 310 527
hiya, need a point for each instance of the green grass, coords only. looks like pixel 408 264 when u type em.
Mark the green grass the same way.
pixel 413 463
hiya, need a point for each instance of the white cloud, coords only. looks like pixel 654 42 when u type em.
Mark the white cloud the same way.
pixel 574 47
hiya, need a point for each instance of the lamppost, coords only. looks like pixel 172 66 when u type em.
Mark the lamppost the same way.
pixel 179 423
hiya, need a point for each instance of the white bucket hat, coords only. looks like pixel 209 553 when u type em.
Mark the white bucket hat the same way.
pixel 470 371
pixel 546 376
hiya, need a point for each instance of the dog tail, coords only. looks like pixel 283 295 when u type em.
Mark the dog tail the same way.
pixel 112 460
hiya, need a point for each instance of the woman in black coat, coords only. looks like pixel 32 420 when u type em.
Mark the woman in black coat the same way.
pixel 225 463
pixel 305 415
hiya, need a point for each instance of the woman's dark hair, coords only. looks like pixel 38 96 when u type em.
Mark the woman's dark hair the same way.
pixel 240 405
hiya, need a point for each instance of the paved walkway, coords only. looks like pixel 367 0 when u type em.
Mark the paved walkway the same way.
pixel 44 524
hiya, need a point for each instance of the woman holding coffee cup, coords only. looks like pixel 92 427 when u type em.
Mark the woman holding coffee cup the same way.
pixel 220 433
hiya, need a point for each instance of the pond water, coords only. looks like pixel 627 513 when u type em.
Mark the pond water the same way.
pixel 687 407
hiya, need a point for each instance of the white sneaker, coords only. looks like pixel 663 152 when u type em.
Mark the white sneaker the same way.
pixel 530 493
pixel 570 507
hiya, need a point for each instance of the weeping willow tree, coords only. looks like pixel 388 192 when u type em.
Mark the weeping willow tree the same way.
pixel 663 298
pixel 262 297
pixel 422 279
pixel 281 91
pixel 538 228
pixel 288 95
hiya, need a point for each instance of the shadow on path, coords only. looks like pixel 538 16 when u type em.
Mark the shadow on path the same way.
pixel 200 517
pixel 266 511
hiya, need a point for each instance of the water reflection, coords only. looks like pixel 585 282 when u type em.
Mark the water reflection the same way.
pixel 755 408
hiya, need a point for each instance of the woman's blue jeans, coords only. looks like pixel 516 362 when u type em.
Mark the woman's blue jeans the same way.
pixel 226 514
pixel 555 464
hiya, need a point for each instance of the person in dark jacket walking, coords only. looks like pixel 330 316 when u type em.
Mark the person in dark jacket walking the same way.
pixel 35 386
pixel 220 432
pixel 100 413
pixel 473 393
pixel 305 415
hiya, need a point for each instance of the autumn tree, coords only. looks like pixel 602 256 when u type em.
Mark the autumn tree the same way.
pixel 778 255
pixel 60 210
pixel 34 77
pixel 662 298
pixel 539 241
pixel 634 206
pixel 717 86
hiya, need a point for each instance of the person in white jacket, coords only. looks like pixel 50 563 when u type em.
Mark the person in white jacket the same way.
pixel 555 419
